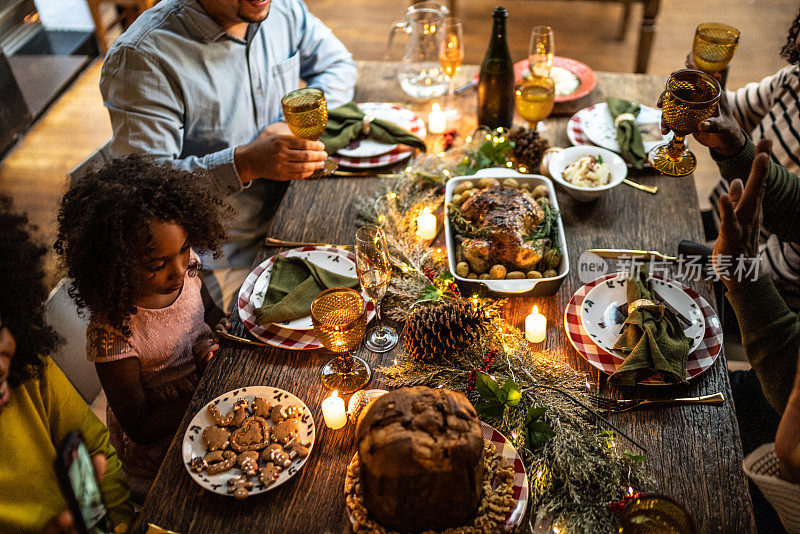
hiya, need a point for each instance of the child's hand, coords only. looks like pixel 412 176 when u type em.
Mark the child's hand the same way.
pixel 224 324
pixel 203 350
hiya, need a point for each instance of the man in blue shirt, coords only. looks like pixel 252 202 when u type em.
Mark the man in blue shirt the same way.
pixel 199 82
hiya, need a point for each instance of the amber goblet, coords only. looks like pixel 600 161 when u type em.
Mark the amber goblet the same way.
pixel 690 97
pixel 714 46
pixel 656 514
pixel 339 315
pixel 306 114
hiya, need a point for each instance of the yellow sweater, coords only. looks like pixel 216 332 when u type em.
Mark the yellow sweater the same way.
pixel 40 413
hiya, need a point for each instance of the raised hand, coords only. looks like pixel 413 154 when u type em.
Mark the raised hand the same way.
pixel 276 154
pixel 740 212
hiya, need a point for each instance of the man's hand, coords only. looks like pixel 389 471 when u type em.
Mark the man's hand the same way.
pixel 203 350
pixel 278 155
pixel 740 212
pixel 787 440
pixel 64 523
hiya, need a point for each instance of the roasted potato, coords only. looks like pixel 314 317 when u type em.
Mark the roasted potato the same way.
pixel 540 191
pixel 550 273
pixel 462 269
pixel 533 274
pixel 515 275
pixel 457 199
pixel 484 183
pixel 510 182
pixel 463 186
pixel 497 272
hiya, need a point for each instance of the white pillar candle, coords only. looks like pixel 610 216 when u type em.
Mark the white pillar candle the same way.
pixel 437 119
pixel 426 224
pixel 333 411
pixel 535 326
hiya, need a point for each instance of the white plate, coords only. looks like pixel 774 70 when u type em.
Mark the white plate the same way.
pixel 402 117
pixel 561 159
pixel 338 264
pixel 599 127
pixel 603 322
pixel 193 445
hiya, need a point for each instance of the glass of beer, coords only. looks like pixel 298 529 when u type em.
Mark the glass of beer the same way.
pixel 339 315
pixel 374 272
pixel 714 46
pixel 306 114
pixel 689 98
pixel 534 97
pixel 541 51
pixel 451 55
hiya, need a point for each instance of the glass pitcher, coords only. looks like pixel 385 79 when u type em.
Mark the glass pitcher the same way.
pixel 419 74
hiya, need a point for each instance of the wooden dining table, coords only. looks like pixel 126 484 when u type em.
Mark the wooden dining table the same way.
pixel 693 452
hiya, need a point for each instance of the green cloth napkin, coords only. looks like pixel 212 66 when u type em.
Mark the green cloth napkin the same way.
pixel 628 135
pixel 293 286
pixel 653 339
pixel 346 123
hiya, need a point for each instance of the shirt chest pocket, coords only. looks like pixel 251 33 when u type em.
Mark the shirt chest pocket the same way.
pixel 286 74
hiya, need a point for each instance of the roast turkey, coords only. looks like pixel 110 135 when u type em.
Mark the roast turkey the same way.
pixel 505 215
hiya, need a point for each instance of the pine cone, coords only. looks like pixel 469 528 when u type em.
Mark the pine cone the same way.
pixel 435 332
pixel 528 147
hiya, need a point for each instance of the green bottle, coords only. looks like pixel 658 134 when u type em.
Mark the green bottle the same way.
pixel 496 80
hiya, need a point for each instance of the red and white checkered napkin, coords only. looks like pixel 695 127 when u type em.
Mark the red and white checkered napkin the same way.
pixel 698 360
pixel 275 335
pixel 510 456
pixel 575 128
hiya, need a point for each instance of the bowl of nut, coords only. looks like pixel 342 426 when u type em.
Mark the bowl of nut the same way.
pixel 504 233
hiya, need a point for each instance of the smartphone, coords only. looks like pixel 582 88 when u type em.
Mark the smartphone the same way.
pixel 76 476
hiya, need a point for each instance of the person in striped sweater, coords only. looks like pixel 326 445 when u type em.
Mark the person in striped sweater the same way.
pixel 765 110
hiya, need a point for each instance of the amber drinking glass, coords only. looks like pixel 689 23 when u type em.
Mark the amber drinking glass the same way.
pixel 534 97
pixel 656 514
pixel 374 272
pixel 690 97
pixel 340 320
pixel 541 51
pixel 714 46
pixel 306 114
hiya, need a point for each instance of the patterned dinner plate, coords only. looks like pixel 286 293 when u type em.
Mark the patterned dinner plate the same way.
pixel 698 361
pixel 193 445
pixel 511 457
pixel 298 334
pixel 402 117
pixel 603 321
pixel 594 125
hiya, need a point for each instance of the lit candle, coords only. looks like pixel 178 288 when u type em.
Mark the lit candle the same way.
pixel 535 326
pixel 426 224
pixel 437 119
pixel 333 411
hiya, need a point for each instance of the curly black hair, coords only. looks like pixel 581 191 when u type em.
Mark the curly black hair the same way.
pixel 103 228
pixel 791 50
pixel 22 294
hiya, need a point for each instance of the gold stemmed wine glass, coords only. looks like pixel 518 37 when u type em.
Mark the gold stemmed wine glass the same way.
pixel 541 51
pixel 656 514
pixel 714 46
pixel 534 97
pixel 689 98
pixel 339 315
pixel 374 271
pixel 451 55
pixel 306 114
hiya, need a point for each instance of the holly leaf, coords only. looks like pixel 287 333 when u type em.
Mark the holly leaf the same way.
pixel 488 388
pixel 490 409
pixel 511 392
pixel 537 430
pixel 628 455
pixel 429 293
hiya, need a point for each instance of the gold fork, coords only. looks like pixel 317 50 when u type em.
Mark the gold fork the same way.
pixel 623 405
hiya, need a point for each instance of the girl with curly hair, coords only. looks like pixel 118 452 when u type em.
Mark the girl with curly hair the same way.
pixel 128 233
pixel 38 405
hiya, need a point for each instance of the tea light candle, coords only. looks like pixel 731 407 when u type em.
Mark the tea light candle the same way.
pixel 333 411
pixel 535 326
pixel 426 224
pixel 437 119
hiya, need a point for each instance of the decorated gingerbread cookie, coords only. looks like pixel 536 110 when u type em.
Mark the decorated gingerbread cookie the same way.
pixel 253 435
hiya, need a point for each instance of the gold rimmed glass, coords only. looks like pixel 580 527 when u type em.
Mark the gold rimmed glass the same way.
pixel 534 97
pixel 714 46
pixel 451 55
pixel 690 97
pixel 541 51
pixel 374 272
pixel 306 114
pixel 339 315
pixel 656 514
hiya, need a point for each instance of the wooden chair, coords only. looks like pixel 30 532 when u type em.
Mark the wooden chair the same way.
pixel 126 12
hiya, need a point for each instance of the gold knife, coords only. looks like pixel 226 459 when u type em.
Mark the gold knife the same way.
pixel 631 253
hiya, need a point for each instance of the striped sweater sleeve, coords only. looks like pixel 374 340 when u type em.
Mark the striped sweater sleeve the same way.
pixel 750 103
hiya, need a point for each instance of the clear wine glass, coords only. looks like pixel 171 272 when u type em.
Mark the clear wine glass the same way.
pixel 541 51
pixel 451 55
pixel 374 271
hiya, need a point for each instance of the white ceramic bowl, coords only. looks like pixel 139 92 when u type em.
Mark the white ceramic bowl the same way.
pixel 538 287
pixel 560 160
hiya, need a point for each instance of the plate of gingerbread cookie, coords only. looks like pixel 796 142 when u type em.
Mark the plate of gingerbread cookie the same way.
pixel 248 441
